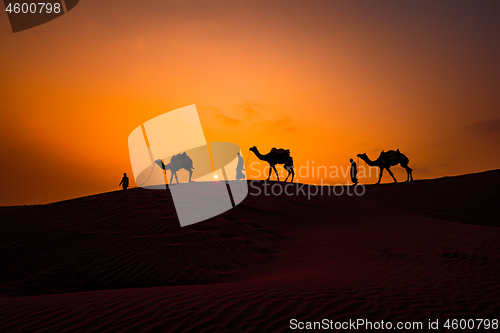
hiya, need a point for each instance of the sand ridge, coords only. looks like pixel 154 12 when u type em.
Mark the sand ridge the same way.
pixel 119 261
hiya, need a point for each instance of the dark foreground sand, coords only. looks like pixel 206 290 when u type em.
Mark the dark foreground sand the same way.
pixel 119 261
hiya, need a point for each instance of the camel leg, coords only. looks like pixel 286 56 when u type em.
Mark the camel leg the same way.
pixel 270 169
pixel 380 176
pixel 171 177
pixel 390 172
pixel 276 172
pixel 408 172
pixel 190 174
pixel 288 174
pixel 177 179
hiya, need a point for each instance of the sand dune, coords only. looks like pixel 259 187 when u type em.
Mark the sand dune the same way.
pixel 471 199
pixel 119 261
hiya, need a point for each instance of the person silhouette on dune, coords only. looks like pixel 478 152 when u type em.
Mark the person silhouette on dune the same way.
pixel 240 168
pixel 354 172
pixel 124 182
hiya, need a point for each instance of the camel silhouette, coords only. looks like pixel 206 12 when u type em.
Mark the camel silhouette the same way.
pixel 276 156
pixel 388 159
pixel 177 162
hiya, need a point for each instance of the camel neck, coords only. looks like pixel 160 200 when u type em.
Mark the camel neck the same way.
pixel 369 162
pixel 259 155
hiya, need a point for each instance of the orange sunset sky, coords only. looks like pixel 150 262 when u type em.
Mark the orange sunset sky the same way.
pixel 325 79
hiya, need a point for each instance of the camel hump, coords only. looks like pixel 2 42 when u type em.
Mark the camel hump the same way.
pixel 280 151
pixel 180 158
pixel 389 153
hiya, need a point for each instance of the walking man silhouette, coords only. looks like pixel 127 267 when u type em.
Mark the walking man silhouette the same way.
pixel 240 168
pixel 124 182
pixel 354 172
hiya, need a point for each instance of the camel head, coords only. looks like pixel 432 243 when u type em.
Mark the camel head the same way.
pixel 161 165
pixel 253 149
pixel 362 156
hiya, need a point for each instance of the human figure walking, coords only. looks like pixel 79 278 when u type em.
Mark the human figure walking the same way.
pixel 124 182
pixel 240 168
pixel 354 172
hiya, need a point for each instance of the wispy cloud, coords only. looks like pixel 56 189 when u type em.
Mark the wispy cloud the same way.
pixel 428 170
pixel 483 128
pixel 211 109
pixel 253 119
pixel 228 121
pixel 286 124
pixel 225 120
pixel 249 109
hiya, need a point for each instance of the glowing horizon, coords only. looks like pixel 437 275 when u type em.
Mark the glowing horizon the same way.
pixel 327 80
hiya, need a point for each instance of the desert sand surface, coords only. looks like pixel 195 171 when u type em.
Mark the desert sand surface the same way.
pixel 119 261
